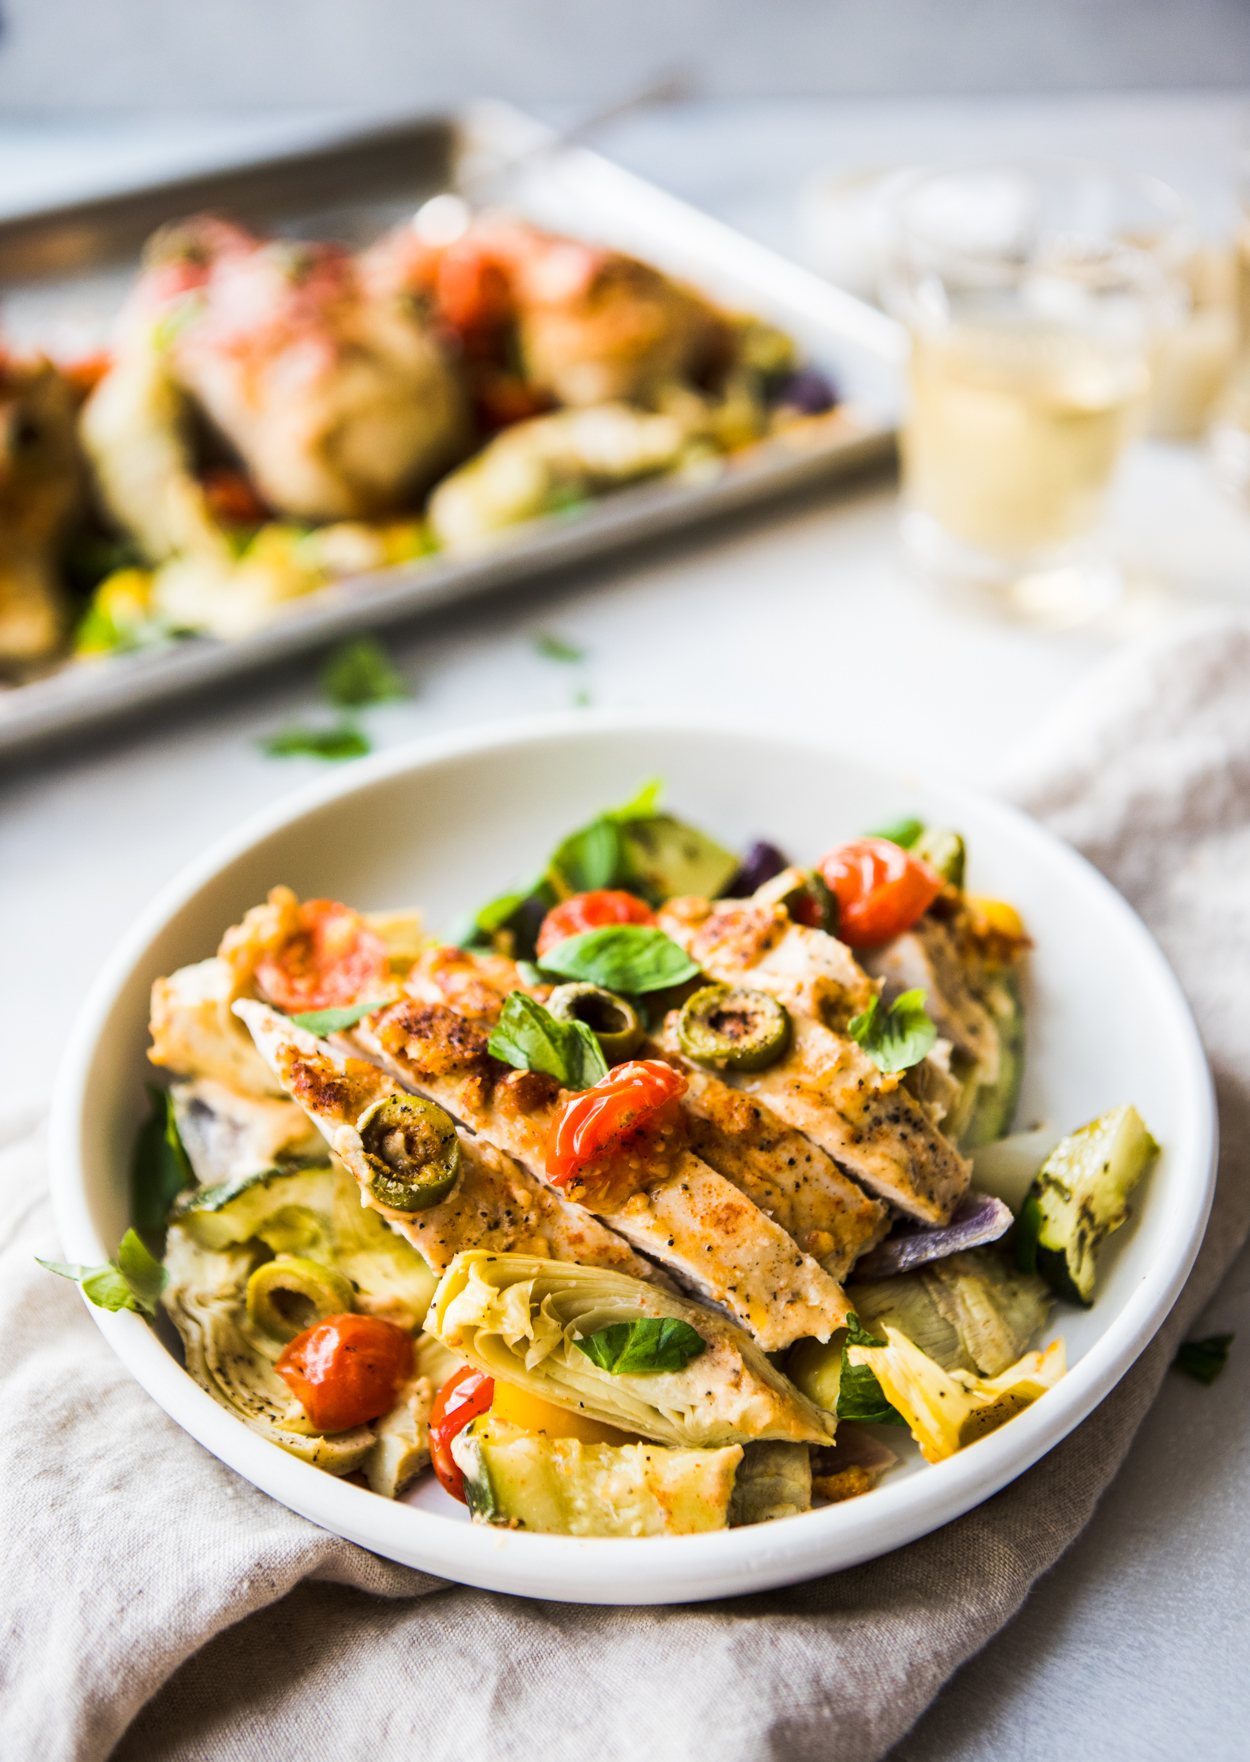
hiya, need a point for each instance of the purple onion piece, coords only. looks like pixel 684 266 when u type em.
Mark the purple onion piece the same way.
pixel 978 1219
pixel 760 864
pixel 808 390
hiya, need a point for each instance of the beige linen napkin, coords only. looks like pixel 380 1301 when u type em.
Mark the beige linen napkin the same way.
pixel 157 1606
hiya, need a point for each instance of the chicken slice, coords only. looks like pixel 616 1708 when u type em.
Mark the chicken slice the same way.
pixel 696 1223
pixel 825 1086
pixel 495 1203
pixel 796 1182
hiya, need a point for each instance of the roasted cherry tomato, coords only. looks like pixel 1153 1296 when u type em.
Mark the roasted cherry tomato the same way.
pixel 591 911
pixel 231 498
pixel 881 889
pixel 345 1370
pixel 461 1399
pixel 332 960
pixel 590 1127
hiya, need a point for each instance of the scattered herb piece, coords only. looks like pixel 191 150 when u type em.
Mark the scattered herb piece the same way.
pixel 642 1348
pixel 333 1021
pixel 621 957
pixel 898 1037
pixel 529 1037
pixel 134 1281
pixel 581 698
pixel 903 832
pixel 554 648
pixel 860 1395
pixel 361 673
pixel 160 1167
pixel 1204 1359
pixel 343 741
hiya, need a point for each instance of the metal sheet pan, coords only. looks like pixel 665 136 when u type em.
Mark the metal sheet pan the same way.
pixel 64 273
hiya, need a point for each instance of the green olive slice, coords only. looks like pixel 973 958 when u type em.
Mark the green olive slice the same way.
pixel 730 1026
pixel 412 1151
pixel 287 1295
pixel 943 850
pixel 613 1022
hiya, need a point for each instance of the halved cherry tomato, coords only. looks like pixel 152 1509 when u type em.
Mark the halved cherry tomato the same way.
pixel 462 1398
pixel 333 959
pixel 590 1127
pixel 231 497
pixel 591 911
pixel 346 1369
pixel 882 889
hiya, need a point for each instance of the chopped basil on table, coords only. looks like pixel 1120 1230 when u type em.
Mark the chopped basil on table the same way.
pixel 1204 1359
pixel 898 1037
pixel 134 1281
pixel 160 1168
pixel 529 1037
pixel 642 1348
pixel 860 1395
pixel 333 1021
pixel 631 958
pixel 343 741
pixel 554 648
pixel 361 673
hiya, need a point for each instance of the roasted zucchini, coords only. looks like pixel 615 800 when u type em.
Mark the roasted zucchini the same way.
pixel 1079 1197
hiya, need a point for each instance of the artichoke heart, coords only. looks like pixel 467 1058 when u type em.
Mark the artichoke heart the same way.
pixel 947 1410
pixel 520 1318
pixel 968 1311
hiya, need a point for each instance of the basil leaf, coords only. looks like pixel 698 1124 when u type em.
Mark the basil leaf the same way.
pixel 621 957
pixel 590 859
pixel 641 806
pixel 529 1037
pixel 520 911
pixel 361 673
pixel 642 1348
pixel 340 742
pixel 529 973
pixel 332 1021
pixel 904 833
pixel 160 1167
pixel 134 1283
pixel 860 1395
pixel 898 1037
pixel 1204 1359
pixel 554 648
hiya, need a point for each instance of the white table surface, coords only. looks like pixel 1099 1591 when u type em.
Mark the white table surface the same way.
pixel 1133 1647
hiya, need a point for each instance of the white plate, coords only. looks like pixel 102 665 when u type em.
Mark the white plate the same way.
pixel 450 822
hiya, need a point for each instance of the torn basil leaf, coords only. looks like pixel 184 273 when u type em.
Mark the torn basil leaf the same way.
pixel 529 1036
pixel 361 673
pixel 860 1396
pixel 1204 1359
pixel 134 1281
pixel 631 958
pixel 590 859
pixel 904 833
pixel 332 1021
pixel 898 1037
pixel 641 1348
pixel 160 1167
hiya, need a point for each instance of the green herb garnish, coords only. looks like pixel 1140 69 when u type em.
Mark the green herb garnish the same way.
pixel 134 1281
pixel 642 1348
pixel 554 648
pixel 1204 1359
pixel 860 1395
pixel 631 958
pixel 903 832
pixel 592 858
pixel 160 1167
pixel 898 1037
pixel 333 1021
pixel 361 673
pixel 529 1037
pixel 343 741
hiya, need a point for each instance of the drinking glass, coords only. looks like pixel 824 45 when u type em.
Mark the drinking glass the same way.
pixel 1036 293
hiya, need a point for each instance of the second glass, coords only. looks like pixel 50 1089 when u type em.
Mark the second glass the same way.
pixel 1035 294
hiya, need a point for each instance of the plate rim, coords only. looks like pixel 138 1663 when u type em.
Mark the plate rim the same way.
pixel 620 1571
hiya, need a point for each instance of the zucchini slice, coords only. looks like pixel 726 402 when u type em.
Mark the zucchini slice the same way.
pixel 994 1106
pixel 559 1486
pixel 1080 1196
